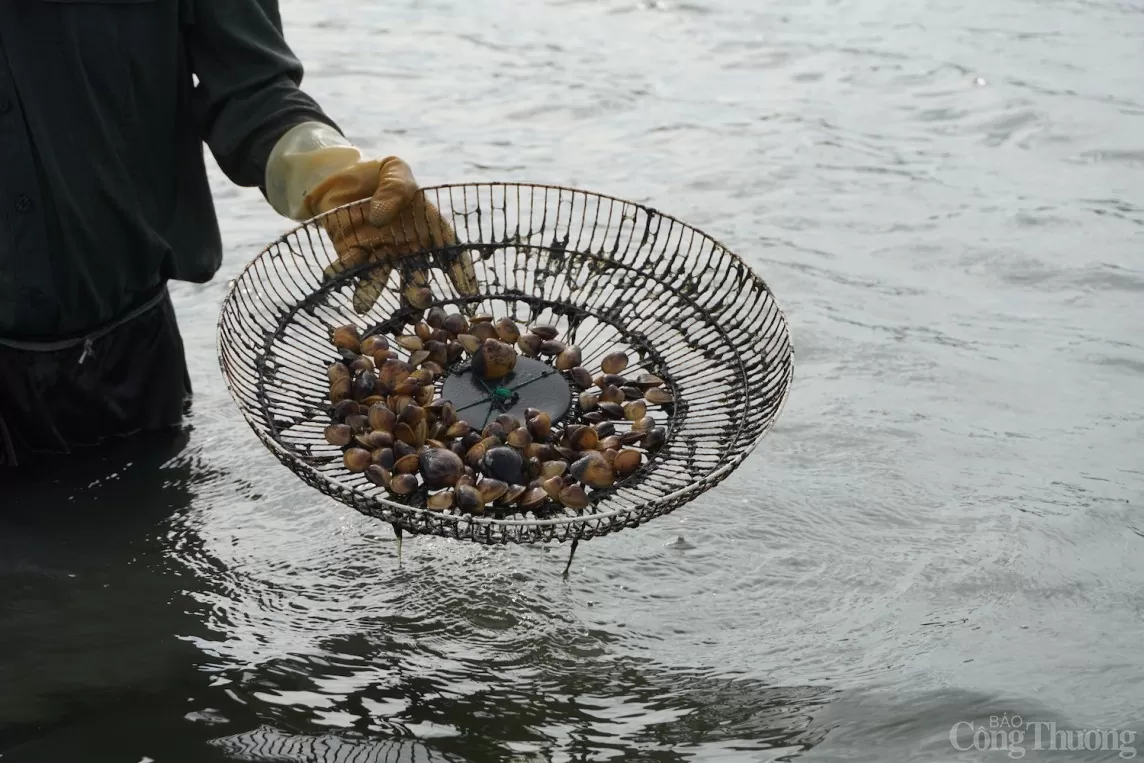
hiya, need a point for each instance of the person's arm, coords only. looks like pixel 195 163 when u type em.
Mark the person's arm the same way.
pixel 250 107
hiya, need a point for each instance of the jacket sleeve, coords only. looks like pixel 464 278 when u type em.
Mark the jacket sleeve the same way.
pixel 248 92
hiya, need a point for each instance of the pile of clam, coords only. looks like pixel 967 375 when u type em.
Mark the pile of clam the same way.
pixel 396 431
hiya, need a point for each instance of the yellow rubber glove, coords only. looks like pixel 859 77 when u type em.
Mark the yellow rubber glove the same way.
pixel 314 170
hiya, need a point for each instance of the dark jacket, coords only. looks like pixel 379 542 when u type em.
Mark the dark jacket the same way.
pixel 104 109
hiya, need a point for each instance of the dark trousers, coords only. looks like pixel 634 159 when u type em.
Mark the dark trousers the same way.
pixel 128 377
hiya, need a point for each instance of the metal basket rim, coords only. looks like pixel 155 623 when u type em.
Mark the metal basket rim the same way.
pixel 710 480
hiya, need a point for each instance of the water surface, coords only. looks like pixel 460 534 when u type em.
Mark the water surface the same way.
pixel 946 525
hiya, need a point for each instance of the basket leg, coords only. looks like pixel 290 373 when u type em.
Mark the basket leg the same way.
pixel 397 533
pixel 571 553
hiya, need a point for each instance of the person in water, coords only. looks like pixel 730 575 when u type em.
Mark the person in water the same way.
pixel 105 106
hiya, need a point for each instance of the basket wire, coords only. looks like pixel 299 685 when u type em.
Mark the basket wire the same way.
pixel 610 274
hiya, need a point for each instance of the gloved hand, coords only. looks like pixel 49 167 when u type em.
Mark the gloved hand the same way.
pixel 313 170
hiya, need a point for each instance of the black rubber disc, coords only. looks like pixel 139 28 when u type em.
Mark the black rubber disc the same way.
pixel 531 384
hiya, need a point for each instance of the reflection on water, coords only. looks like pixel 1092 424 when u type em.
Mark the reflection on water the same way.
pixel 944 526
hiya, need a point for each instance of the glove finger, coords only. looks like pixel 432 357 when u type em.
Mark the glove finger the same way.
pixel 415 288
pixel 351 257
pixel 370 287
pixel 395 189
pixel 462 273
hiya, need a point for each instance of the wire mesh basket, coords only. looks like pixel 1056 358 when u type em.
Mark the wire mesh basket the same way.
pixel 611 276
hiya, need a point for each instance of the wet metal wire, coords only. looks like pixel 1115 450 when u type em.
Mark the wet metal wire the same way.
pixel 610 274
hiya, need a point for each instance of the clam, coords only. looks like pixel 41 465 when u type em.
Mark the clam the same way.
pixel 440 468
pixel 631 392
pixel 436 317
pixel 440 501
pixel 610 455
pixel 359 364
pixel 438 352
pixel 507 330
pixel 552 347
pixel 459 429
pixel 484 331
pixel 503 463
pixel 495 430
pixel 627 462
pixel 531 413
pixel 470 343
pixel 392 372
pixel 419 357
pixel 434 369
pixel 337 370
pixel 632 437
pixel 372 400
pixel 403 484
pixel 610 443
pixel 644 424
pixel 456 350
pixel 378 475
pixel 545 332
pixel 346 338
pixel 402 449
pixel 471 439
pixel 358 423
pixel 614 410
pixel 408 387
pixel 398 403
pixel 373 343
pixel 581 377
pixel 595 417
pixel 611 394
pixel 605 429
pixel 364 384
pixel 419 296
pixel 582 438
pixel 491 489
pixel 423 331
pixel 635 410
pixel 376 439
pixel 405 434
pixel 593 470
pixel 647 381
pixel 553 486
pixel 573 497
pixel 508 421
pixel 655 439
pixel 540 426
pixel 529 345
pixel 588 401
pixel 339 434
pixel 357 459
pixel 456 324
pixel 613 379
pixel 532 498
pixel 532 467
pixel 614 363
pixel 424 395
pixel 384 457
pixel 412 415
pixel 381 356
pixel 408 464
pixel 343 409
pixel 494 359
pixel 533 449
pixel 469 499
pixel 422 376
pixel 482 318
pixel 568 359
pixel 411 342
pixel 513 492
pixel 553 469
pixel 657 396
pixel 448 415
pixel 519 438
pixel 342 389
